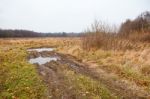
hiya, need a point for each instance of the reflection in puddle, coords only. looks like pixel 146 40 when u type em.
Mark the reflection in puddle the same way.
pixel 42 60
pixel 41 49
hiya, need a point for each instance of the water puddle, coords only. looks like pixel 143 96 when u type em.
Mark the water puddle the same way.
pixel 41 49
pixel 42 60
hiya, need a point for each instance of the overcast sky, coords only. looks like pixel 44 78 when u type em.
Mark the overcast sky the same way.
pixel 66 15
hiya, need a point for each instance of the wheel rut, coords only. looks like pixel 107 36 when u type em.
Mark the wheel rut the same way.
pixel 51 73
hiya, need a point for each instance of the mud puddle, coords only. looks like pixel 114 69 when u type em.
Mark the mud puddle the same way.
pixel 42 60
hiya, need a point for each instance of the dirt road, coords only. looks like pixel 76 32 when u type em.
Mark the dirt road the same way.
pixel 60 86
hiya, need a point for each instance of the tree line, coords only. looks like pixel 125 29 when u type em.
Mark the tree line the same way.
pixel 140 24
pixel 102 35
pixel 27 33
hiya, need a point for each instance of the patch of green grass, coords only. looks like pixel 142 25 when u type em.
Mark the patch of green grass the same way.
pixel 18 78
pixel 87 88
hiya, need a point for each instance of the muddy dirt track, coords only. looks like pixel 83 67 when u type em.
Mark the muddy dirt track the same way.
pixel 52 74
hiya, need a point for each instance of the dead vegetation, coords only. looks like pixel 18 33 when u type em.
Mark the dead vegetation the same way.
pixel 130 66
pixel 128 36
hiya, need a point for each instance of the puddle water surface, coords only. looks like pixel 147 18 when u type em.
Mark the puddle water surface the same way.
pixel 41 49
pixel 42 60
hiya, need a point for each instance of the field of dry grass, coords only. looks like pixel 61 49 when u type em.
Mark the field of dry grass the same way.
pixel 131 67
pixel 128 64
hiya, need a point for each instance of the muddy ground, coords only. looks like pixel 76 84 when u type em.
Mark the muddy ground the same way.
pixel 52 74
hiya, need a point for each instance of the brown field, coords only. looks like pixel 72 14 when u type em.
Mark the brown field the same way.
pixel 115 73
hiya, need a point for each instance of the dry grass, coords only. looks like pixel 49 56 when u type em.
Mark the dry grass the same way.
pixel 131 65
pixel 102 36
pixel 20 80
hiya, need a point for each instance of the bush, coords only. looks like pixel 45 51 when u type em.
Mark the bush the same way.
pixel 101 35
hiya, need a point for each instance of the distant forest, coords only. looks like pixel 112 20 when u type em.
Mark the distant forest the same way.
pixel 27 33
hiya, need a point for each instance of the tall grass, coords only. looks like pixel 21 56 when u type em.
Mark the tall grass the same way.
pixel 101 35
